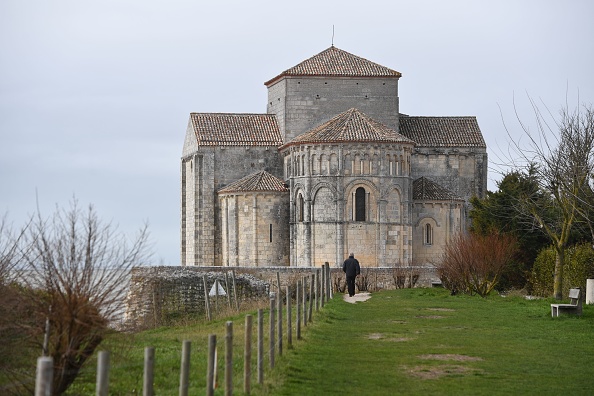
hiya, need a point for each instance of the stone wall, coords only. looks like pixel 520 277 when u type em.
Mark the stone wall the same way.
pixel 460 170
pixel 158 295
pixel 303 103
pixel 445 221
pixel 255 228
pixel 203 173
pixel 327 229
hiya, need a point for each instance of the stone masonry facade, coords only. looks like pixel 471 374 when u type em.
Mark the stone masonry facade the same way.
pixel 331 168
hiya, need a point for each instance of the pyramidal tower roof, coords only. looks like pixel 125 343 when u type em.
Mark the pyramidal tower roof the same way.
pixel 350 126
pixel 334 62
pixel 259 181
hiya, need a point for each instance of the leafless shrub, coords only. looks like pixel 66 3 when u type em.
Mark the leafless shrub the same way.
pixel 473 263
pixel 15 312
pixel 362 281
pixel 74 271
pixel 339 283
pixel 405 277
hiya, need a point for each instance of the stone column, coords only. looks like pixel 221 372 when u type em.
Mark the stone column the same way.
pixel 196 232
pixel 224 231
pixel 292 214
pixel 183 213
pixel 235 249
pixel 383 231
pixel 340 208
pixel 255 231
pixel 307 211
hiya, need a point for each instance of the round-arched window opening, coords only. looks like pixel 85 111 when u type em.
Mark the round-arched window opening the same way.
pixel 360 204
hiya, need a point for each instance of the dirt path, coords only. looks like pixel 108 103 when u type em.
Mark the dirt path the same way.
pixel 364 296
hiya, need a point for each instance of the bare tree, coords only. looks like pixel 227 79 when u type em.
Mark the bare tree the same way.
pixel 9 250
pixel 11 307
pixel 76 270
pixel 563 166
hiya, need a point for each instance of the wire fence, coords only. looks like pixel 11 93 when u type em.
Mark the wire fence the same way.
pixel 308 295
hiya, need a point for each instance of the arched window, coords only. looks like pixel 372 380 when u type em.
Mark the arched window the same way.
pixel 300 208
pixel 428 234
pixel 360 204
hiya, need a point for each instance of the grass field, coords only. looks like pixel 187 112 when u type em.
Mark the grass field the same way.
pixel 410 341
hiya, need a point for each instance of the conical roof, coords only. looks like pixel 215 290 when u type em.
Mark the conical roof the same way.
pixel 427 190
pixel 350 126
pixel 335 62
pixel 256 182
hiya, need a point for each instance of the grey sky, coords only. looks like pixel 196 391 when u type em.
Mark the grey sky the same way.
pixel 95 95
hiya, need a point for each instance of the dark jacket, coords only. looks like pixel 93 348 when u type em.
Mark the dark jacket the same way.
pixel 351 267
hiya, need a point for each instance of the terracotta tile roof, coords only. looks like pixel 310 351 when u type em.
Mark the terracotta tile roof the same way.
pixel 442 131
pixel 259 181
pixel 350 126
pixel 427 190
pixel 224 129
pixel 334 62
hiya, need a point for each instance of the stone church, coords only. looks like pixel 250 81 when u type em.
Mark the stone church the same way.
pixel 332 167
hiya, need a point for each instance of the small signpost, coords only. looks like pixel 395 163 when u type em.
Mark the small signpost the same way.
pixel 217 290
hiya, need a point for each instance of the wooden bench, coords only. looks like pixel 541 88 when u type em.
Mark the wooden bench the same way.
pixel 574 306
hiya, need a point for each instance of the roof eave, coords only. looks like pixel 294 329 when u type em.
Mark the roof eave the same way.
pixel 287 145
pixel 221 192
pixel 270 82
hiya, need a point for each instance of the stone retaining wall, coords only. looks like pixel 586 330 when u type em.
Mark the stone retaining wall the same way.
pixel 158 295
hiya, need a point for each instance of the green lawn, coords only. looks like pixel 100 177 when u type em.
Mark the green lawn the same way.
pixel 411 341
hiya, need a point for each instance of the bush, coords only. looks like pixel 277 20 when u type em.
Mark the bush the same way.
pixel 74 272
pixel 474 263
pixel 579 266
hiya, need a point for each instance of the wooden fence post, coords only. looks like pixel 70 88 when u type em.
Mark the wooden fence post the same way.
pixel 206 298
pixel 322 286
pixel 260 346
pixel 216 286
pixel 272 332
pixel 247 356
pixel 227 289
pixel 289 318
pixel 44 376
pixel 46 335
pixel 312 285
pixel 210 368
pixel 279 321
pixel 328 281
pixel 229 359
pixel 330 284
pixel 235 290
pixel 298 306
pixel 185 368
pixel 102 385
pixel 149 373
pixel 304 299
pixel 316 296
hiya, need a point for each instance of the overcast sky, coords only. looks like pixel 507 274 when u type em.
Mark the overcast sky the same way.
pixel 95 95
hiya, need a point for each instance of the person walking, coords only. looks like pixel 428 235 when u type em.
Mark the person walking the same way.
pixel 351 268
